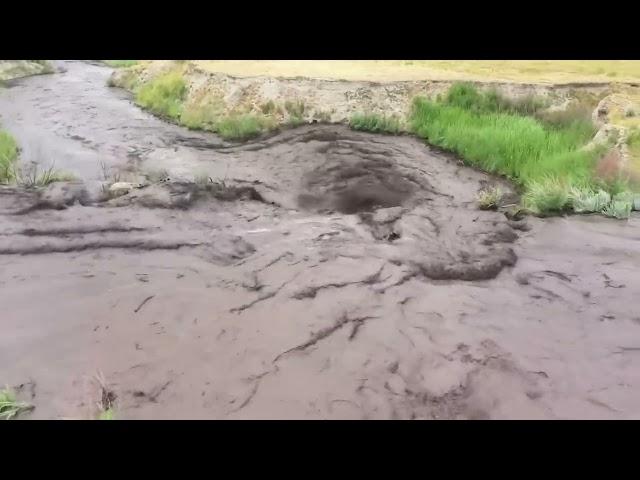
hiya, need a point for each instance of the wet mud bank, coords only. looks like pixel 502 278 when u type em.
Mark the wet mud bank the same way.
pixel 317 273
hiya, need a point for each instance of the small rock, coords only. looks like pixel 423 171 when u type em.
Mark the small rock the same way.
pixel 387 215
pixel 122 188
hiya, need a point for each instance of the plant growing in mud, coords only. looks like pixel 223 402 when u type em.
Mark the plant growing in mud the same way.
pixel 33 176
pixel 489 199
pixel 620 209
pixel 547 196
pixel 107 399
pixel 8 156
pixel 10 407
pixel 372 122
pixel 587 201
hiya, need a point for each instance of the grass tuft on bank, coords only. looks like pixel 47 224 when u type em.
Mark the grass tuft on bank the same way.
pixel 375 123
pixel 121 63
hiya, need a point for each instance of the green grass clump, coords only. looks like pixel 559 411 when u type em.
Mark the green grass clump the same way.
pixel 163 95
pixel 547 197
pixel 242 127
pixel 9 406
pixel 8 156
pixel 371 122
pixel 120 63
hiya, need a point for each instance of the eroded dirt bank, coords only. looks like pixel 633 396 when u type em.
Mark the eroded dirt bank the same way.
pixel 333 275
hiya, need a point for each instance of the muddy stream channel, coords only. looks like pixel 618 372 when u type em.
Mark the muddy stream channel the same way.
pixel 321 273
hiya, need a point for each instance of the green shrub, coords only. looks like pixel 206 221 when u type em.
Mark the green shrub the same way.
pixel 371 122
pixel 548 196
pixel 163 95
pixel 242 127
pixel 295 108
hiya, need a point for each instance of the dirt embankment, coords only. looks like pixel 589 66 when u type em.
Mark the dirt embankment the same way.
pixel 332 100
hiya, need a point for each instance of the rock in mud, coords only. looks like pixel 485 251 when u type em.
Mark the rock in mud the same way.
pixel 62 194
pixel 184 194
pixel 122 188
pixel 484 268
pixel 226 249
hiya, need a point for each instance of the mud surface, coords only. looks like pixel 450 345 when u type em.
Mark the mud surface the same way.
pixel 319 273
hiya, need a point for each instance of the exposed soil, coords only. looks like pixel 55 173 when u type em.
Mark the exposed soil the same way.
pixel 320 273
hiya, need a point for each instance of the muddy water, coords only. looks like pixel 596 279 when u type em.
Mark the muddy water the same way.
pixel 334 274
pixel 73 121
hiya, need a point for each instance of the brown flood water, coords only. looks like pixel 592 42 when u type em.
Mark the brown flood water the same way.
pixel 336 275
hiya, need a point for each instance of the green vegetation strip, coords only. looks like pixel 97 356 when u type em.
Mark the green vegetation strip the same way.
pixel 120 63
pixel 543 154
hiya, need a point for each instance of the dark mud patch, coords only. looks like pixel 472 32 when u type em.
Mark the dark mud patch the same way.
pixel 354 180
pixel 57 196
pixel 79 230
pixel 479 269
pixel 40 248
pixel 182 195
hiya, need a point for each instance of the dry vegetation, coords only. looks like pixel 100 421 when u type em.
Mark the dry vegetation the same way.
pixel 519 71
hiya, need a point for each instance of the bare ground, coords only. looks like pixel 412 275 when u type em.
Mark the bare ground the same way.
pixel 334 275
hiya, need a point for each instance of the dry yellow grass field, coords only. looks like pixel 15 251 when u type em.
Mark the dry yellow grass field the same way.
pixel 519 71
